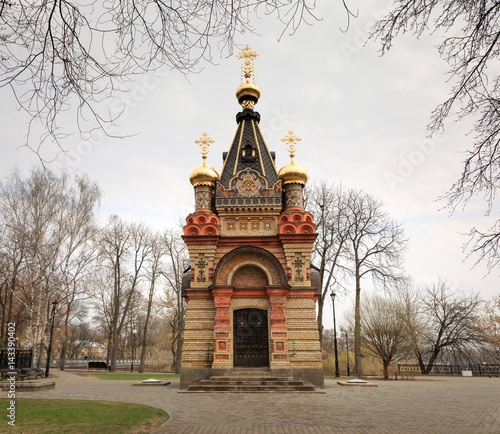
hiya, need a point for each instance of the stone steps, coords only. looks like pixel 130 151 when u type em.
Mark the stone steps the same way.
pixel 251 382
pixel 248 378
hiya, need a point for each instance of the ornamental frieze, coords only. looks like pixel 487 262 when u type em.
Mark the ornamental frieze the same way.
pixel 248 183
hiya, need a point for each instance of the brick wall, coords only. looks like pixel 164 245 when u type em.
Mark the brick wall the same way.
pixel 197 348
pixel 249 276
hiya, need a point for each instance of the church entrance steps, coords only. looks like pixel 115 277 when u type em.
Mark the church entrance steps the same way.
pixel 251 383
pixel 251 371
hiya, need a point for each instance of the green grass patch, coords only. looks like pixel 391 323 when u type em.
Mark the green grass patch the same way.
pixel 79 416
pixel 128 376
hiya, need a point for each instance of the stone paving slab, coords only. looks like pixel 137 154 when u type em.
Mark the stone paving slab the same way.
pixel 434 405
pixel 159 383
pixel 347 384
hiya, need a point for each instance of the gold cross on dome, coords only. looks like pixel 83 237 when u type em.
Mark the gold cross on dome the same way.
pixel 204 141
pixel 247 67
pixel 290 139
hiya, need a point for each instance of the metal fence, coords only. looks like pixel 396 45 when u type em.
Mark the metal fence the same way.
pixel 83 363
pixel 22 359
pixel 443 369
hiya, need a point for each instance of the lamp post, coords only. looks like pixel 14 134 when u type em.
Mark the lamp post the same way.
pixel 134 332
pixel 54 304
pixel 332 295
pixel 347 350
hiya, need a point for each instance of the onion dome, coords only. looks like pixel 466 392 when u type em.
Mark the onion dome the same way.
pixel 204 175
pixel 292 173
pixel 248 92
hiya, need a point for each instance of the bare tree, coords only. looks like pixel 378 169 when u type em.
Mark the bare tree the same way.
pixel 383 331
pixel 470 43
pixel 377 245
pixel 440 319
pixel 46 220
pixel 81 339
pixel 78 252
pixel 125 249
pixel 488 324
pixel 176 261
pixel 60 55
pixel 154 270
pixel 331 251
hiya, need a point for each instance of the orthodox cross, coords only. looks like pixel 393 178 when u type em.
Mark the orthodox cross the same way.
pixel 299 263
pixel 291 140
pixel 247 67
pixel 201 264
pixel 204 141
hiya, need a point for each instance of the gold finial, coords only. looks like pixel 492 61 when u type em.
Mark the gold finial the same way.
pixel 291 140
pixel 247 67
pixel 204 142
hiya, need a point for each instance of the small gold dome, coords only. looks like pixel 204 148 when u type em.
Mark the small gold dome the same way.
pixel 293 173
pixel 203 175
pixel 247 89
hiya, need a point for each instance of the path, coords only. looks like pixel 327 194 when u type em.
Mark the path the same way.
pixel 434 405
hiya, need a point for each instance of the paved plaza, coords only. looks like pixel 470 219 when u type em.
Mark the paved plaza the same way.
pixel 431 405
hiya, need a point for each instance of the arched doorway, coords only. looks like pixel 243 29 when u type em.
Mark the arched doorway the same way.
pixel 251 341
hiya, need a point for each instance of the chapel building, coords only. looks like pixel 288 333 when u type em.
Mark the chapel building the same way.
pixel 251 291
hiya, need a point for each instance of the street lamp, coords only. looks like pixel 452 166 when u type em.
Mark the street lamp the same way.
pixel 347 350
pixel 54 304
pixel 332 295
pixel 134 332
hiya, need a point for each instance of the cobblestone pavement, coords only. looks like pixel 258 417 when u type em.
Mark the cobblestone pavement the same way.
pixel 434 405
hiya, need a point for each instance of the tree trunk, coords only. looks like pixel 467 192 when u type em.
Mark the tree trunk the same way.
pixel 9 314
pixel 180 328
pixel 421 363
pixel 432 359
pixel 66 338
pixel 37 347
pixel 320 319
pixel 146 324
pixel 143 349
pixel 357 327
pixel 108 349
pixel 114 320
pixel 386 364
pixel 114 350
pixel 4 322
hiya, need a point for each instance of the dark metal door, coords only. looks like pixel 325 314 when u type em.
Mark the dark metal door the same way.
pixel 251 342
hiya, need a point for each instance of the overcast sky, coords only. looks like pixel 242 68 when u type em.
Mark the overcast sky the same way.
pixel 362 119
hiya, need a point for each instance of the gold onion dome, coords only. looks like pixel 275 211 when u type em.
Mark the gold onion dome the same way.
pixel 204 175
pixel 292 173
pixel 247 90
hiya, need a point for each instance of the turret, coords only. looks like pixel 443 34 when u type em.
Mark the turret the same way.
pixel 293 175
pixel 203 178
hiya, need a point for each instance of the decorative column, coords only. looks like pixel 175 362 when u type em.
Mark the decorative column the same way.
pixel 222 342
pixel 279 329
pixel 294 195
pixel 203 195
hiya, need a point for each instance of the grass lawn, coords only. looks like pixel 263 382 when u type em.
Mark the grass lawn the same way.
pixel 80 416
pixel 128 376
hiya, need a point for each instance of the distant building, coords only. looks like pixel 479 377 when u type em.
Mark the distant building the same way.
pixel 251 292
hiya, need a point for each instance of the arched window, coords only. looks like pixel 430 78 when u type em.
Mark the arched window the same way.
pixel 248 152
